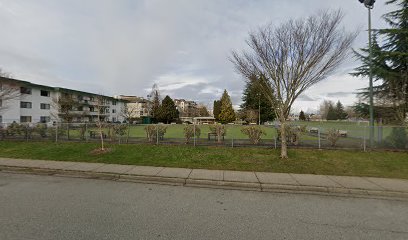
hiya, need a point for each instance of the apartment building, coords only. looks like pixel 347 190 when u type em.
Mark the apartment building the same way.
pixel 138 107
pixel 185 107
pixel 33 103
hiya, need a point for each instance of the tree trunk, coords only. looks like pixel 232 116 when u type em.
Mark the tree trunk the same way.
pixel 101 134
pixel 284 147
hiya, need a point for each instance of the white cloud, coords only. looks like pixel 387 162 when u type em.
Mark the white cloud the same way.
pixel 123 47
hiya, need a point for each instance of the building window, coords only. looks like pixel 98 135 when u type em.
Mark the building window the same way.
pixel 25 90
pixel 113 102
pixel 1 119
pixel 113 119
pixel 113 110
pixel 44 106
pixel 91 109
pixel 45 119
pixel 25 119
pixel 80 108
pixel 26 105
pixel 45 93
pixel 91 98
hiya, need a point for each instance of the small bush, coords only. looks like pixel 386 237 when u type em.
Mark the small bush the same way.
pixel 153 130
pixel 219 131
pixel 333 136
pixel 397 139
pixel 254 133
pixel 293 133
pixel 189 132
pixel 41 129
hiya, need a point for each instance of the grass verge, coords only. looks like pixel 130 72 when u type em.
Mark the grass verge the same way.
pixel 330 162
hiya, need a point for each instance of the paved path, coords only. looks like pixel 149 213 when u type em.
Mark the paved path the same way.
pixel 260 181
pixel 48 207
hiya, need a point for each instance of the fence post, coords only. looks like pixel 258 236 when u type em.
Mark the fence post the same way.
pixel 194 134
pixel 232 142
pixel 364 139
pixel 86 130
pixel 275 142
pixel 318 133
pixel 56 132
pixel 157 134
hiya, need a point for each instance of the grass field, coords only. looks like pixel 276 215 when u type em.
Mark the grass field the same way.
pixel 331 162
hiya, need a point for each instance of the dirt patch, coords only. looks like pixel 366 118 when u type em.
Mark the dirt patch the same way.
pixel 100 151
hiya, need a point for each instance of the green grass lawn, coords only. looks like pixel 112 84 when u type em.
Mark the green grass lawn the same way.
pixel 331 162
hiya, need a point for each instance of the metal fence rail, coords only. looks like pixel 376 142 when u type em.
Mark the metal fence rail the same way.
pixel 302 134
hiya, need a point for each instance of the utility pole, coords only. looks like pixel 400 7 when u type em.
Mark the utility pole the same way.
pixel 369 4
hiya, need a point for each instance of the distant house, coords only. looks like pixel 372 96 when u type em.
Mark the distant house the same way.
pixel 38 103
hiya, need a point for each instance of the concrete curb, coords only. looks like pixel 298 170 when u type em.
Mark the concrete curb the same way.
pixel 221 184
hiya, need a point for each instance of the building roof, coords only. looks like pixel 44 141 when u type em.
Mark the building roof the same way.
pixel 30 84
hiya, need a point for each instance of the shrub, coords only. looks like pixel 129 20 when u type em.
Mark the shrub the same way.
pixel 51 131
pixel 121 130
pixel 254 133
pixel 14 129
pixel 189 132
pixel 333 136
pixel 293 133
pixel 153 130
pixel 219 131
pixel 41 129
pixel 397 139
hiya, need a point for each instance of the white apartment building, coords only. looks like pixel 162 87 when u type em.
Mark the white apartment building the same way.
pixel 138 107
pixel 35 103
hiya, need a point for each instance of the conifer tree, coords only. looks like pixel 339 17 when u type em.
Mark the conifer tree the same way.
pixel 227 113
pixel 390 60
pixel 302 116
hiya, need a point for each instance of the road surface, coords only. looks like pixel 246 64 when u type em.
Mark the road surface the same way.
pixel 49 207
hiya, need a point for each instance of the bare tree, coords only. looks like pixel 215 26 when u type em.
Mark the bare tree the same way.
pixel 101 107
pixel 8 90
pixel 292 57
pixel 128 112
pixel 324 108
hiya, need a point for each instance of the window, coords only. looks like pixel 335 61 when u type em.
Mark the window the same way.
pixel 113 110
pixel 91 109
pixel 113 119
pixel 26 105
pixel 25 90
pixel 1 103
pixel 44 106
pixel 113 102
pixel 25 119
pixel 45 93
pixel 91 98
pixel 80 108
pixel 45 119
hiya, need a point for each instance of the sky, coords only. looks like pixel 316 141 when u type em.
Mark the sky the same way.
pixel 116 47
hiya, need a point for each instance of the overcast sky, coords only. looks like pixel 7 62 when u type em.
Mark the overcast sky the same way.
pixel 124 46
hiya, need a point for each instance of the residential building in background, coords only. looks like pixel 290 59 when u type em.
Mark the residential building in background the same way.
pixel 186 108
pixel 138 107
pixel 39 103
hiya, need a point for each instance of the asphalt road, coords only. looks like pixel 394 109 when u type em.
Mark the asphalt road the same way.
pixel 46 207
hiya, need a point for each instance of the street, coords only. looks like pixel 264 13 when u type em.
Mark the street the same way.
pixel 50 207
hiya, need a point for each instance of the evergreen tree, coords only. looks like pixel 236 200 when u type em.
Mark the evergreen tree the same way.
pixel 331 113
pixel 302 116
pixel 167 112
pixel 227 113
pixel 340 113
pixel 217 109
pixel 253 99
pixel 390 60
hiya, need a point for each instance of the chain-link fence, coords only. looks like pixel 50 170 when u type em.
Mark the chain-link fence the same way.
pixel 318 135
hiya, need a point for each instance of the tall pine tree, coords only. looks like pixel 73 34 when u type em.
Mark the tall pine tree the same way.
pixel 227 113
pixel 217 109
pixel 390 61
pixel 167 112
pixel 254 100
pixel 340 113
